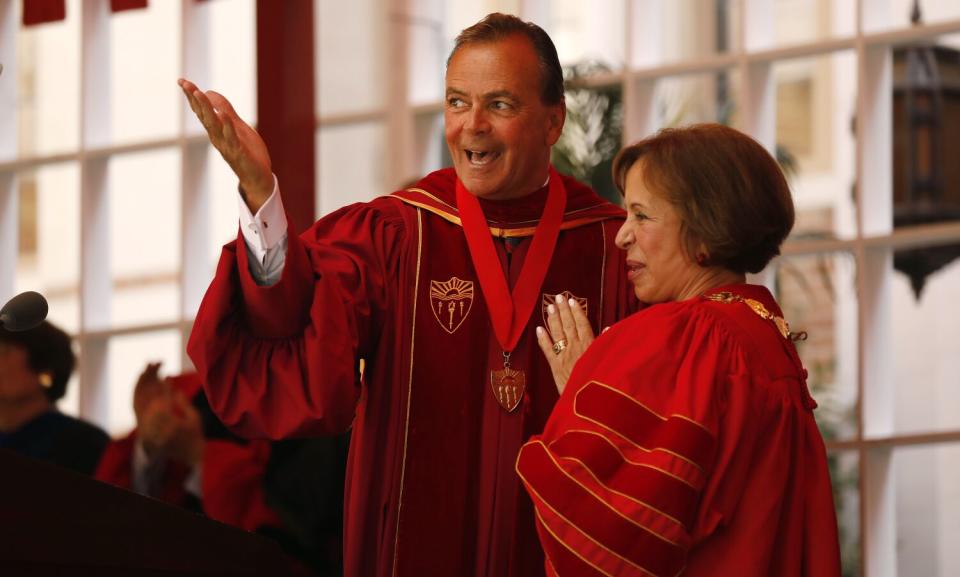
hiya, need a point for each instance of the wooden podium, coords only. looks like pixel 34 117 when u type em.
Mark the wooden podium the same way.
pixel 56 522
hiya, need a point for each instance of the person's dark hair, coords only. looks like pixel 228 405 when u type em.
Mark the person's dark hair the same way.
pixel 48 351
pixel 731 195
pixel 497 26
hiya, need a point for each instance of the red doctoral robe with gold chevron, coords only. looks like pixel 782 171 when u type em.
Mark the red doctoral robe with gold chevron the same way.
pixel 431 487
pixel 685 443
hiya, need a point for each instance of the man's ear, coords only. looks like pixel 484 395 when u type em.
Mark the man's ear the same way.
pixel 557 116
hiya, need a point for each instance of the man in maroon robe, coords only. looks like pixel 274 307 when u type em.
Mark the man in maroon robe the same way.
pixel 438 289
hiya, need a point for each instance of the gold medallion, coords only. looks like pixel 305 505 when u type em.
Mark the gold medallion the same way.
pixel 508 386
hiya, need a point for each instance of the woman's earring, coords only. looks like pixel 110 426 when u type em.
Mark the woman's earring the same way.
pixel 46 380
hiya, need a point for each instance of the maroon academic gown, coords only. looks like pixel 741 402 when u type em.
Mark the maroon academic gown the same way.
pixel 431 487
pixel 685 443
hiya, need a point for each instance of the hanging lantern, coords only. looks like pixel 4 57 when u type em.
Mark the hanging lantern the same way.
pixel 926 123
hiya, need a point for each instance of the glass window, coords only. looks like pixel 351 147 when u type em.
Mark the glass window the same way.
pixel 799 21
pixel 48 103
pixel 351 165
pixel 127 356
pixel 233 55
pixel 144 236
pixel 349 55
pixel 583 33
pixel 49 240
pixel 694 98
pixel 817 294
pixel 144 65
pixel 925 342
pixel 592 134
pixel 432 152
pixel 815 100
pixel 224 205
pixel 879 16
pixel 927 505
pixel 675 30
pixel 845 478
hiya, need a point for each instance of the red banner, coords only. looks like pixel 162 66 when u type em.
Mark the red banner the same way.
pixel 41 11
pixel 121 5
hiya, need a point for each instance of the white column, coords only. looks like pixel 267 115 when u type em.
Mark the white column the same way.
pixel 95 278
pixel 194 174
pixel 874 196
pixel 645 35
pixel 400 124
pixel 9 20
pixel 9 229
pixel 757 107
pixel 9 212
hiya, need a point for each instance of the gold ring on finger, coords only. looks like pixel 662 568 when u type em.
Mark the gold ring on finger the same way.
pixel 559 346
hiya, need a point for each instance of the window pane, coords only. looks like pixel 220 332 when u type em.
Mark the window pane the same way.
pixel 816 99
pixel 349 49
pixel 432 26
pixel 49 85
pixel 818 296
pixel 927 481
pixel 49 239
pixel 694 98
pixel 669 31
pixel 144 65
pixel 887 14
pixel 799 21
pixel 127 357
pixel 584 33
pixel 351 161
pixel 432 153
pixel 224 198
pixel 592 136
pixel 144 236
pixel 233 55
pixel 925 343
pixel 845 477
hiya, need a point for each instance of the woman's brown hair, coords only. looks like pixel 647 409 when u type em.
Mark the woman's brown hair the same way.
pixel 730 193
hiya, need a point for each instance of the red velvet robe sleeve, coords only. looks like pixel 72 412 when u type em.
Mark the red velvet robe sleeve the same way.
pixel 232 484
pixel 676 449
pixel 282 360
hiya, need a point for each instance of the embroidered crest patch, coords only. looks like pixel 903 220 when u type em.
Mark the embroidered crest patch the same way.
pixel 451 302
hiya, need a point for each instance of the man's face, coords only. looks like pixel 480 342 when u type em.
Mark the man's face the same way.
pixel 498 130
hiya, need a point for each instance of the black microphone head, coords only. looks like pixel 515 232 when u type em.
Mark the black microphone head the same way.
pixel 23 312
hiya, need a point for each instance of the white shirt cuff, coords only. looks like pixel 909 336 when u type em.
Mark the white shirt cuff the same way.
pixel 266 229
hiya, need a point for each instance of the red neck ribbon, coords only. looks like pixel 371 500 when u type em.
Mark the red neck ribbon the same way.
pixel 509 313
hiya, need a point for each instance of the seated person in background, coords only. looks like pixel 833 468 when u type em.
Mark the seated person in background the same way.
pixel 180 453
pixel 685 441
pixel 35 366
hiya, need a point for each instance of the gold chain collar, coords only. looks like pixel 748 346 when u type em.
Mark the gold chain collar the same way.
pixel 783 326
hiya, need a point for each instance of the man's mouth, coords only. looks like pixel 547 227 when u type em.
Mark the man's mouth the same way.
pixel 481 157
pixel 634 267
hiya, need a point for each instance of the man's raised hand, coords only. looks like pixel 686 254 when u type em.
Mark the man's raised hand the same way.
pixel 237 142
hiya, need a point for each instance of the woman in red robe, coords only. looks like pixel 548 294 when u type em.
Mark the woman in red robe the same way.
pixel 684 440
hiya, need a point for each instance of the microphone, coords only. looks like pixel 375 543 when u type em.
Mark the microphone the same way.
pixel 23 312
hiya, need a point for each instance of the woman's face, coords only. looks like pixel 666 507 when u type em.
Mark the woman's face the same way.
pixel 17 380
pixel 658 266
